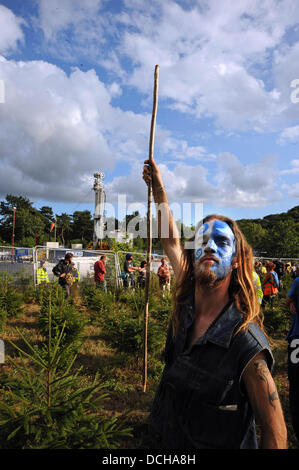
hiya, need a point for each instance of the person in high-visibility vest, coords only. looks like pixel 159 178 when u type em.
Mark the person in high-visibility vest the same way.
pixel 42 275
pixel 263 269
pixel 75 273
pixel 76 279
pixel 258 286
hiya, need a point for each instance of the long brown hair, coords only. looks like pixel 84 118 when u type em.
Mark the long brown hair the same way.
pixel 241 289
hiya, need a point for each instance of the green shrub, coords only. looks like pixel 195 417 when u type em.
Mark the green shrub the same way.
pixel 125 333
pixel 277 318
pixel 286 284
pixel 62 313
pixel 30 294
pixel 162 312
pixel 3 318
pixel 45 407
pixel 98 301
pixel 10 300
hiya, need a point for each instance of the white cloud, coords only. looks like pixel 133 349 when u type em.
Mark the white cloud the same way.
pixel 252 185
pixel 294 170
pixel 76 30
pixel 216 57
pixel 58 15
pixel 10 30
pixel 293 191
pixel 289 135
pixel 233 184
pixel 56 129
pixel 212 57
pixel 180 149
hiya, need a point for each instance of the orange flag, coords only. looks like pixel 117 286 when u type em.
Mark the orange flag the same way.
pixel 52 226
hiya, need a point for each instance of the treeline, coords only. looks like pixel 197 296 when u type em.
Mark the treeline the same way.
pixel 275 235
pixel 33 226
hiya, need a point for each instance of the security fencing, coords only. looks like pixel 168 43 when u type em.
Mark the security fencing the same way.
pixel 17 262
pixel 22 262
pixel 83 260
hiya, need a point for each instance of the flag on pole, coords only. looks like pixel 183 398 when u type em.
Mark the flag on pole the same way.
pixel 52 226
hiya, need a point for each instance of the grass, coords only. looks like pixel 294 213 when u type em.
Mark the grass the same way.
pixel 122 374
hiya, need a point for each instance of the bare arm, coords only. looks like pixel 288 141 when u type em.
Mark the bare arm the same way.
pixel 167 229
pixel 263 397
pixel 132 269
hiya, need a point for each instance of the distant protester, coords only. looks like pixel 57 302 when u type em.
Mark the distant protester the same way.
pixel 258 267
pixel 258 286
pixel 142 274
pixel 42 275
pixel 63 270
pixel 75 282
pixel 129 269
pixel 270 283
pixel 293 270
pixel 100 272
pixel 164 276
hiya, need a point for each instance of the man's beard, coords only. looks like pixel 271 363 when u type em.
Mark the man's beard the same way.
pixel 204 275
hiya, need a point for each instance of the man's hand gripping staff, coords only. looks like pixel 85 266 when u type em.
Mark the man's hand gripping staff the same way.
pixel 167 229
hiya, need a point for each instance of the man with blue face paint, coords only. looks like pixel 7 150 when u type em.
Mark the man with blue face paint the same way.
pixel 217 377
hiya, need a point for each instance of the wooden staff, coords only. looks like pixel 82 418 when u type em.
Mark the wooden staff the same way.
pixel 149 227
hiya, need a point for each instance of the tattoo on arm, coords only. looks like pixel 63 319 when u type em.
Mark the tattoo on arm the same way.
pixel 262 370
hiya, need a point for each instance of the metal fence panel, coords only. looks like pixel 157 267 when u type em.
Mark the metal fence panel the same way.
pixel 17 261
pixel 23 262
pixel 83 259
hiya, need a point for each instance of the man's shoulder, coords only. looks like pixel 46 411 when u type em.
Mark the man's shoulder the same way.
pixel 255 332
pixel 253 341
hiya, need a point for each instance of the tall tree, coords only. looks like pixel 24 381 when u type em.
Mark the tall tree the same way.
pixel 63 227
pixel 254 233
pixel 283 239
pixel 47 214
pixel 29 223
pixel 82 225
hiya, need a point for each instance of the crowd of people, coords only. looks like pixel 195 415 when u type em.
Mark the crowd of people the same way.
pixel 268 278
pixel 69 276
pixel 129 271
pixel 280 267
